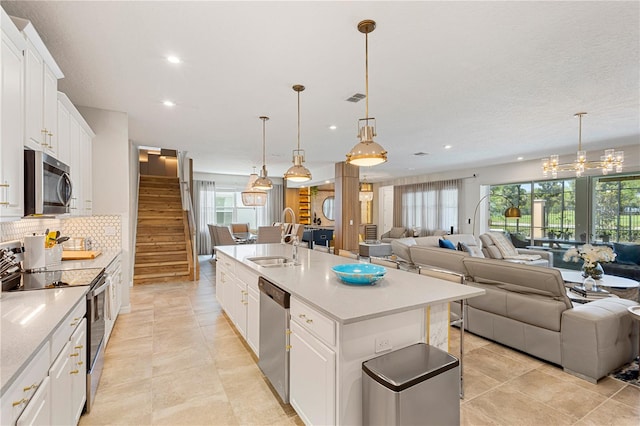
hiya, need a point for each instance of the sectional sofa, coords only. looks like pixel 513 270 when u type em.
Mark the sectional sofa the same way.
pixel 526 307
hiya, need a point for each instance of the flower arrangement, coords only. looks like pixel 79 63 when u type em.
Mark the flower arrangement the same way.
pixel 590 255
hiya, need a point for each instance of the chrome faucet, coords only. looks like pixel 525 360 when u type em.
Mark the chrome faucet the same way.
pixel 288 210
pixel 295 244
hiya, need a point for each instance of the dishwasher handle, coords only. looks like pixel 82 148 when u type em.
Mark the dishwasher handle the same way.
pixel 278 295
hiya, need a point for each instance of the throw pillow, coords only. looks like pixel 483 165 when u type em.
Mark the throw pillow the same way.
pixel 474 251
pixel 397 232
pixel 627 254
pixel 446 244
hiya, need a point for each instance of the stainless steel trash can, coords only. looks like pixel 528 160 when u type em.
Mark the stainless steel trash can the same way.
pixel 416 385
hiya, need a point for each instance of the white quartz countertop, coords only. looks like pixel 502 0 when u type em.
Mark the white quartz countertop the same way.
pixel 101 262
pixel 28 318
pixel 314 282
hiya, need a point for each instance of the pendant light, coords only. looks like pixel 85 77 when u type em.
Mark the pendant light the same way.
pixel 298 172
pixel 263 182
pixel 252 196
pixel 367 152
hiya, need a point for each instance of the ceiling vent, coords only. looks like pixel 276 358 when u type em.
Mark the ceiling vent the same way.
pixel 356 97
pixel 420 154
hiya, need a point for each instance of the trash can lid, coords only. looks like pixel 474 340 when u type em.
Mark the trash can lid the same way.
pixel 406 367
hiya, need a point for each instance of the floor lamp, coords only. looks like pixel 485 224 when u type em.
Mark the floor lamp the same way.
pixel 511 211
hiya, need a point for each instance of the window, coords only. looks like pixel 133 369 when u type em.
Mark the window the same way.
pixel 504 196
pixel 555 200
pixel 229 209
pixel 616 202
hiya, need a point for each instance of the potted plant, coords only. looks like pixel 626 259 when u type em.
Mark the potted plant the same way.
pixel 553 234
pixel 566 234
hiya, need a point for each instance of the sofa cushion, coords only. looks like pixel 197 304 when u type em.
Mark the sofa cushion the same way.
pixel 400 247
pixel 431 241
pixel 506 248
pixel 446 244
pixel 492 251
pixel 627 254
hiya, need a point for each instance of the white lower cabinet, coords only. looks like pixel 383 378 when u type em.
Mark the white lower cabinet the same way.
pixel 253 318
pixel 239 304
pixel 38 412
pixel 61 387
pixel 312 372
pixel 78 373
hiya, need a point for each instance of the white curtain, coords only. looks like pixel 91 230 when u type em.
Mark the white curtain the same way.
pixel 429 206
pixel 204 207
pixel 275 205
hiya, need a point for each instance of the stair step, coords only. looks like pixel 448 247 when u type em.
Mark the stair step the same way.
pixel 170 222
pixel 163 271
pixel 161 274
pixel 162 264
pixel 158 238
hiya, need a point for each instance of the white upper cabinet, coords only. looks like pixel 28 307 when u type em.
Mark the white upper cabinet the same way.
pixel 61 141
pixel 12 131
pixel 41 75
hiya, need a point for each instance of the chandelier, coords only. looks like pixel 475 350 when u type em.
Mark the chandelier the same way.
pixel 252 196
pixel 367 152
pixel 610 161
pixel 298 172
pixel 263 182
pixel 366 192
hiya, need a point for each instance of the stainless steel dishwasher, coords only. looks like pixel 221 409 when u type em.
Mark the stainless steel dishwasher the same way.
pixel 274 336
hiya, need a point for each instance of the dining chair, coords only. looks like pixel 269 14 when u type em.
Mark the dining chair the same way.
pixel 456 320
pixel 269 234
pixel 347 253
pixel 214 239
pixel 224 237
pixel 384 262
pixel 239 227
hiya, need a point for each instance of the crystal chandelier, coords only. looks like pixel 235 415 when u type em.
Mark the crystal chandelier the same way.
pixel 298 172
pixel 366 192
pixel 367 152
pixel 263 182
pixel 610 161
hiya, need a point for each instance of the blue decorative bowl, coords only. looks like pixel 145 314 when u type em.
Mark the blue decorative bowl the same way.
pixel 359 273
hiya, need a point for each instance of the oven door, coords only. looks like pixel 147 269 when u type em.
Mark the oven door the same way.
pixel 96 317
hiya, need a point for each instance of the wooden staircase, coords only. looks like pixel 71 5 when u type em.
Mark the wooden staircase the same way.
pixel 163 248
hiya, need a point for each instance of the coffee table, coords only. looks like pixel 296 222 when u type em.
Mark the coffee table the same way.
pixel 373 249
pixel 622 287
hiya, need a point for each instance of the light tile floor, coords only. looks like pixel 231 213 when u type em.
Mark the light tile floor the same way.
pixel 176 359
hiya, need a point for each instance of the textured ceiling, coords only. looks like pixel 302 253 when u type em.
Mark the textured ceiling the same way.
pixel 496 80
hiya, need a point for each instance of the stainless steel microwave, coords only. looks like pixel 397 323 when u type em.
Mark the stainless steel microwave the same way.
pixel 47 184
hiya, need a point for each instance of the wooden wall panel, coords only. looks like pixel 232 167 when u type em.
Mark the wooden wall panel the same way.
pixel 347 206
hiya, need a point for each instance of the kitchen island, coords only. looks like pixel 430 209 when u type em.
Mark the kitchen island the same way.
pixel 334 326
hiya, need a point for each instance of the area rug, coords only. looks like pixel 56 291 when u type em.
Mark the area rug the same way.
pixel 628 374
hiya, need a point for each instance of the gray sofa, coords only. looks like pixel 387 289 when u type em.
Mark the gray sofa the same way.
pixel 526 307
pixel 393 234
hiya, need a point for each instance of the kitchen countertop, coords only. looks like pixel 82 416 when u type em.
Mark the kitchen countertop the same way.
pixel 28 320
pixel 314 282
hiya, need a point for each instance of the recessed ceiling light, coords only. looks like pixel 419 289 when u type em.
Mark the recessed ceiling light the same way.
pixel 332 127
pixel 447 147
pixel 520 158
pixel 173 59
pixel 327 181
pixel 169 103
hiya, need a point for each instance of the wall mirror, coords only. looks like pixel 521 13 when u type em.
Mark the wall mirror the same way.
pixel 327 208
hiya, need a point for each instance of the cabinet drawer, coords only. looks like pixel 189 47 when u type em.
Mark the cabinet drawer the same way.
pixel 63 333
pixel 227 263
pixel 23 389
pixel 247 276
pixel 312 320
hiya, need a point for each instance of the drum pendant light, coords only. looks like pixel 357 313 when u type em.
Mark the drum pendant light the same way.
pixel 251 196
pixel 367 152
pixel 298 172
pixel 263 182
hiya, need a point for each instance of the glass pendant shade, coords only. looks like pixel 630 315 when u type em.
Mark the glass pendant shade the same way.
pixel 298 172
pixel 252 196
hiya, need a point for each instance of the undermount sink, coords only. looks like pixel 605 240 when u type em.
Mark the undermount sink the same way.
pixel 272 261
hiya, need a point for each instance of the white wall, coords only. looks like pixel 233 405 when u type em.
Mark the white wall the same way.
pixel 517 171
pixel 111 178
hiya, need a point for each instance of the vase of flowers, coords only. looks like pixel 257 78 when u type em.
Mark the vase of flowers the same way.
pixel 591 256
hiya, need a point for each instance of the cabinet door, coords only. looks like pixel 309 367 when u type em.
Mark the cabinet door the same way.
pixel 85 167
pixel 76 169
pixel 50 109
pixel 60 377
pixel 240 304
pixel 11 151
pixel 62 135
pixel 311 362
pixel 34 100
pixel 38 411
pixel 253 320
pixel 78 372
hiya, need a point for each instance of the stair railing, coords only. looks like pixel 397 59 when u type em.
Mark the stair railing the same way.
pixel 187 205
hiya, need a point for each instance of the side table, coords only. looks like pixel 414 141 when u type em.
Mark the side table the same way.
pixel 377 250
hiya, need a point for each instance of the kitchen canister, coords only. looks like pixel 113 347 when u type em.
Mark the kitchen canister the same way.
pixel 34 252
pixel 53 255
